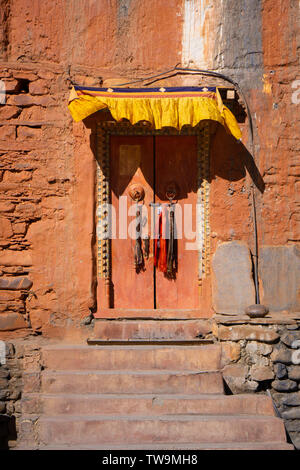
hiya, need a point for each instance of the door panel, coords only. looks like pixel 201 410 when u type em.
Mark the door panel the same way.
pixel 131 162
pixel 153 162
pixel 176 161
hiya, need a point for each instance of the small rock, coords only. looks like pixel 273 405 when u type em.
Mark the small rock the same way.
pixel 292 399
pixel 4 373
pixel 253 347
pixel 280 370
pixel 289 337
pixel 281 354
pixel 293 413
pixel 294 372
pixel 281 398
pixel 261 373
pixel 284 385
pixel 249 332
pixel 251 386
pixel 295 440
pixel 295 357
pixel 292 425
pixel 2 407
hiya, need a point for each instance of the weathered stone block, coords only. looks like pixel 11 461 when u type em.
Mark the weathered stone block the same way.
pixel 19 228
pixel 280 370
pixel 5 228
pixel 4 373
pixel 249 332
pixel 12 321
pixel 231 352
pixel 7 132
pixel 17 176
pixel 38 87
pixel 256 348
pixel 26 132
pixel 6 206
pixel 11 85
pixel 292 399
pixel 261 373
pixel 284 385
pixel 15 283
pixel 232 283
pixel 290 337
pixel 295 357
pixel 235 370
pixel 9 112
pixel 282 355
pixel 293 413
pixel 279 270
pixel 294 373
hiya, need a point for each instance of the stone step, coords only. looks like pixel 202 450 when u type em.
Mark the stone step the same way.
pixel 150 329
pixel 94 404
pixel 73 430
pixel 132 381
pixel 80 357
pixel 171 446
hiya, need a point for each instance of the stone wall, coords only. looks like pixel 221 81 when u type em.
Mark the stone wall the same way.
pixel 40 233
pixel 19 373
pixel 261 355
pixel 10 395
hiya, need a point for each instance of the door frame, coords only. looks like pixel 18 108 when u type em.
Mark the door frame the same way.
pixel 106 129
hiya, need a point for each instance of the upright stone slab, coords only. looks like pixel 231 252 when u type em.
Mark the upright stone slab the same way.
pixel 279 272
pixel 232 282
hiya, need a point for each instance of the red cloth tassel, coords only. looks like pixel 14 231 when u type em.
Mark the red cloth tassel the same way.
pixel 160 244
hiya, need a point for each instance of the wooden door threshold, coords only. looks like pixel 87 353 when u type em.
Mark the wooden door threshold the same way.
pixel 148 342
pixel 149 314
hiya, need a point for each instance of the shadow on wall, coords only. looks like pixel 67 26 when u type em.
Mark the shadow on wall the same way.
pixel 7 430
pixel 230 159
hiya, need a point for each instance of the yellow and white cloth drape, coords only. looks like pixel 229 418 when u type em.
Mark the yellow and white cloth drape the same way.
pixel 161 107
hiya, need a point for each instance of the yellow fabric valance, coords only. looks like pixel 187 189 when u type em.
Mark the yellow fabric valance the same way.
pixel 161 107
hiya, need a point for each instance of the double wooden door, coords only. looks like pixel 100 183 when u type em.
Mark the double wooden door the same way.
pixel 152 164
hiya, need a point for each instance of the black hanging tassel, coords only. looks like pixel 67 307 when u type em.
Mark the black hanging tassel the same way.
pixel 138 253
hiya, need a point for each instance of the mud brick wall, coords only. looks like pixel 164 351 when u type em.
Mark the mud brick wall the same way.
pixel 260 355
pixel 40 232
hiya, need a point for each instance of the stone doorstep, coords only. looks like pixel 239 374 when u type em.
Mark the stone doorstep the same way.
pixel 146 404
pixel 172 446
pixel 135 382
pixel 75 357
pixel 147 429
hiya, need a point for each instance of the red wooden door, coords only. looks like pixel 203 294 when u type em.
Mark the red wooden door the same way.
pixel 176 162
pixel 153 162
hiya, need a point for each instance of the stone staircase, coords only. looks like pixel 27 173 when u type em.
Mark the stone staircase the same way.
pixel 142 393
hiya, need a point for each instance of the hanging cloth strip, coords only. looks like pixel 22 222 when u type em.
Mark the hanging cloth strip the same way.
pixel 160 242
pixel 161 107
